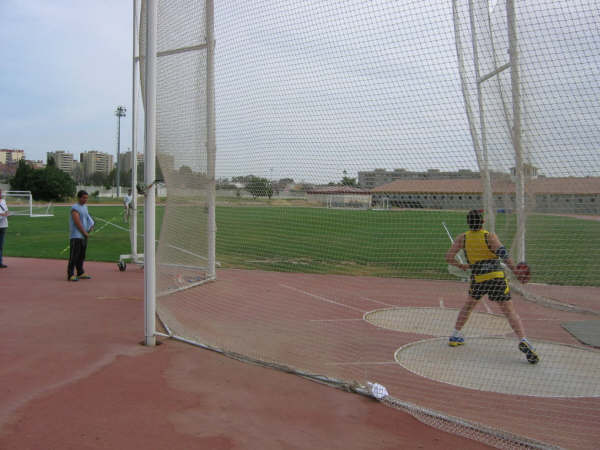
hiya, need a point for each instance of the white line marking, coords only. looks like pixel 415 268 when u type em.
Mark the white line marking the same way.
pixel 335 320
pixel 487 308
pixel 318 297
pixel 442 303
pixel 360 363
pixel 377 301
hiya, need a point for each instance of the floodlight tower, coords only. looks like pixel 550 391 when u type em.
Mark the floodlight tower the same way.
pixel 120 112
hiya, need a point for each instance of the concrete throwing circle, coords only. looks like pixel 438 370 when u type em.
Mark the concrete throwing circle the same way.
pixel 436 321
pixel 495 364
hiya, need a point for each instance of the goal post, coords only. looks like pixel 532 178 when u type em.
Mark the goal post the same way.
pixel 21 203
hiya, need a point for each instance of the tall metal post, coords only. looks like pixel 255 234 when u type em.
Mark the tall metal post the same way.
pixel 516 129
pixel 484 168
pixel 150 174
pixel 210 136
pixel 120 112
pixel 134 65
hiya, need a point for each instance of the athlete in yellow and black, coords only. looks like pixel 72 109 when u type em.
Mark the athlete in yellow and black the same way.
pixel 487 274
pixel 485 253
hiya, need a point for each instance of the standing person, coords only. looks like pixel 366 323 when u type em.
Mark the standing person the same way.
pixel 484 251
pixel 127 205
pixel 80 225
pixel 3 226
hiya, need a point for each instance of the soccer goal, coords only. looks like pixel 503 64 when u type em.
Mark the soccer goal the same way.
pixel 21 203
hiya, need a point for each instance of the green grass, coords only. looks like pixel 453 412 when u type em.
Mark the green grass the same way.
pixel 412 243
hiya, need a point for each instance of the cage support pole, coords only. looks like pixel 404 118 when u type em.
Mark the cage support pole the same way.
pixel 150 175
pixel 210 136
pixel 133 221
pixel 516 129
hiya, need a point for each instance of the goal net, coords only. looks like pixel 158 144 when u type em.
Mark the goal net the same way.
pixel 408 114
pixel 21 203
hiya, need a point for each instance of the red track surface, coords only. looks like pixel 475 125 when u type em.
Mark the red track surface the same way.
pixel 73 376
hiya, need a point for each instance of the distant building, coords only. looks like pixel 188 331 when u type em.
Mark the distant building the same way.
pixel 8 156
pixel 36 164
pixel 340 197
pixel 125 161
pixel 63 160
pixel 94 161
pixel 378 177
pixel 568 195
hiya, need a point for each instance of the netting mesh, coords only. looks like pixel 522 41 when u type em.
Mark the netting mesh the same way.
pixel 345 158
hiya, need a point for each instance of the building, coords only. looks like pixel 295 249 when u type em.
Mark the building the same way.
pixel 37 164
pixel 11 156
pixel 340 197
pixel 567 195
pixel 63 160
pixel 379 177
pixel 125 161
pixel 94 161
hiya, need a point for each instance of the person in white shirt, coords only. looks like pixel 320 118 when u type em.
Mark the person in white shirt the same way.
pixel 3 226
pixel 127 205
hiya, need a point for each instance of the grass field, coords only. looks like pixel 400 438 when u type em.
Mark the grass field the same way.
pixel 409 243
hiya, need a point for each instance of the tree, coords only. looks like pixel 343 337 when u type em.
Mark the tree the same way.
pixel 49 183
pixel 347 181
pixel 23 176
pixel 259 187
pixel 97 179
pixel 110 179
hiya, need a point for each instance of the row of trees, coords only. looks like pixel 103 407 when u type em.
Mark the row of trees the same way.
pixel 49 183
pixel 52 184
pixel 263 187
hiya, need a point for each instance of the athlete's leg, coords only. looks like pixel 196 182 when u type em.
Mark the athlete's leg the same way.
pixel 465 313
pixel 508 309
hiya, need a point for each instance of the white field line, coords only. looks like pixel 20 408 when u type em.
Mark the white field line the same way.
pixel 336 320
pixel 487 308
pixel 362 363
pixel 377 301
pixel 318 297
pixel 442 303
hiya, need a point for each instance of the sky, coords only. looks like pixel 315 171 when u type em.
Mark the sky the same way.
pixel 306 89
pixel 66 66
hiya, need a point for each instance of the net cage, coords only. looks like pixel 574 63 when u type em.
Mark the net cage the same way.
pixel 351 139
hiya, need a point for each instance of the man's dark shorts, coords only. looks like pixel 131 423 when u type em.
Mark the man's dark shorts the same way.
pixel 497 289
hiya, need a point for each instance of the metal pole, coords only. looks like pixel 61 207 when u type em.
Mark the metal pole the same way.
pixel 150 174
pixel 516 130
pixel 487 183
pixel 133 222
pixel 210 138
pixel 120 112
pixel 118 151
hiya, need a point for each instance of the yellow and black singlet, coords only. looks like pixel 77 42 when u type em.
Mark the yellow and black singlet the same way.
pixel 485 265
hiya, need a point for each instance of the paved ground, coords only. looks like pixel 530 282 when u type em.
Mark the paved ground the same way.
pixel 73 376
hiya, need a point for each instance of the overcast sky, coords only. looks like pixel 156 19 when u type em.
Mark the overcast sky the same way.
pixel 66 66
pixel 306 89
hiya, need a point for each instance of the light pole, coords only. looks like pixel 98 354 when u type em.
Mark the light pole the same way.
pixel 120 112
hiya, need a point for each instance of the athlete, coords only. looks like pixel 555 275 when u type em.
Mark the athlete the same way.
pixel 484 252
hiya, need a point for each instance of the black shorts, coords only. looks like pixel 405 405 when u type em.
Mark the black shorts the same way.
pixel 496 289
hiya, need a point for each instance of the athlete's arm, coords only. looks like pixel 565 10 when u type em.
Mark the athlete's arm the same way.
pixel 456 247
pixel 496 246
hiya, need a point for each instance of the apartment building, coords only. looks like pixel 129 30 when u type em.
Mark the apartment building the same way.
pixel 63 160
pixel 94 161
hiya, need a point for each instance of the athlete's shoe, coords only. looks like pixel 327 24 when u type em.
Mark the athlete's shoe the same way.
pixel 529 351
pixel 73 278
pixel 84 276
pixel 455 341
